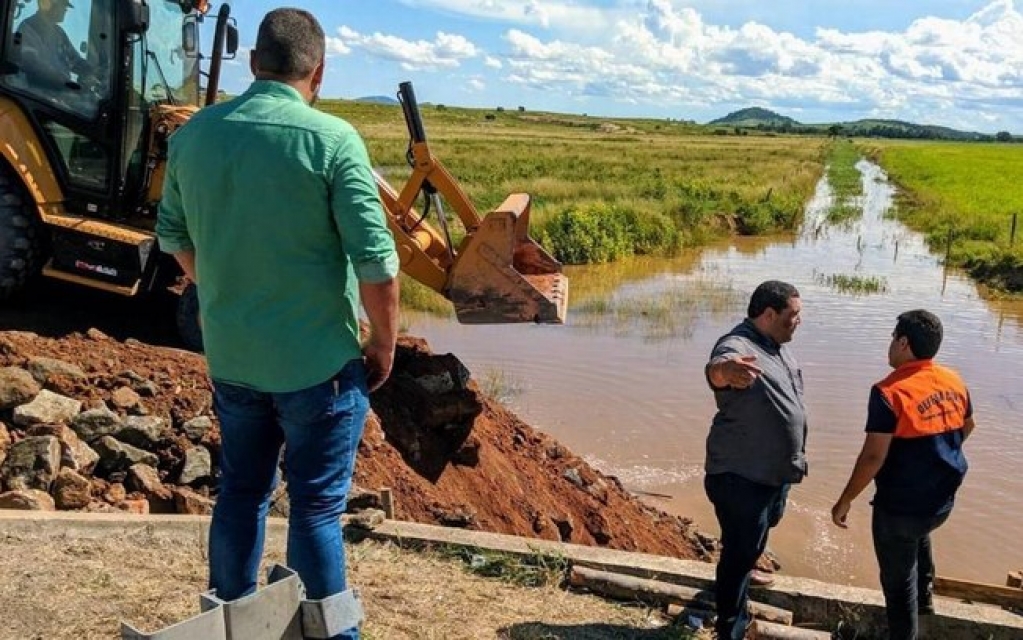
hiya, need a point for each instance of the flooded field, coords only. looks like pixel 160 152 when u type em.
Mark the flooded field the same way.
pixel 622 383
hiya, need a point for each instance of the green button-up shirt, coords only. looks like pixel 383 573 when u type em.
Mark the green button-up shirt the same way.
pixel 279 204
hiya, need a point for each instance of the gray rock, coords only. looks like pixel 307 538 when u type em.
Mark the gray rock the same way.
pixel 572 475
pixel 190 502
pixel 128 374
pixel 197 428
pixel 32 463
pixel 198 466
pixel 97 335
pixel 367 519
pixel 146 388
pixel 42 369
pixel 146 479
pixel 71 490
pixel 142 431
pixel 124 398
pixel 17 387
pixel 74 453
pixel 360 499
pixel 30 500
pixel 95 423
pixel 118 456
pixel 47 408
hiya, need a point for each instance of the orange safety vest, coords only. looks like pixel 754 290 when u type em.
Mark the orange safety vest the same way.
pixel 928 399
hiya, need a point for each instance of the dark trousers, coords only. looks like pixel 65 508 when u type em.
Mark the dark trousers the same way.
pixel 745 511
pixel 903 547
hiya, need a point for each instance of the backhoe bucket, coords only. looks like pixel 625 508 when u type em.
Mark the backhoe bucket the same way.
pixel 501 275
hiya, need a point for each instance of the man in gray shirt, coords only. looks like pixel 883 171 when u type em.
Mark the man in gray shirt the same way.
pixel 757 442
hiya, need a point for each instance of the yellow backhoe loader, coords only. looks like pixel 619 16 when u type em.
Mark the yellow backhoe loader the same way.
pixel 89 94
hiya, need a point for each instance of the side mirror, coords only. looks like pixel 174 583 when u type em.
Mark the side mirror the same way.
pixel 231 46
pixel 135 16
pixel 190 37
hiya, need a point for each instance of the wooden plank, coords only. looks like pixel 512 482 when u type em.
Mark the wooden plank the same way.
pixel 630 588
pixel 387 502
pixel 979 592
pixel 772 631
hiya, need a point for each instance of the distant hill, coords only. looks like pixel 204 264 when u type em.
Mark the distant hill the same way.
pixel 753 116
pixel 377 99
pixel 767 120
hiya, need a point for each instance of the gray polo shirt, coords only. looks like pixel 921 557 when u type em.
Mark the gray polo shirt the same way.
pixel 759 433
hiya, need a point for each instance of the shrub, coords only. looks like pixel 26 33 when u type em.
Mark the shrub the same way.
pixel 600 233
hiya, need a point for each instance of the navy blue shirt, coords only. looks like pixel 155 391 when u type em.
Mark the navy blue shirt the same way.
pixel 925 464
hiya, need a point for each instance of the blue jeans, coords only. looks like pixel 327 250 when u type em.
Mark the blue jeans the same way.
pixel 320 428
pixel 902 544
pixel 746 511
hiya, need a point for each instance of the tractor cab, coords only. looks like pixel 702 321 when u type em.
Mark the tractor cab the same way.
pixel 89 92
pixel 87 74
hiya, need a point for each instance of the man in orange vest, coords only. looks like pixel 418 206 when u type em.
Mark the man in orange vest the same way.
pixel 917 421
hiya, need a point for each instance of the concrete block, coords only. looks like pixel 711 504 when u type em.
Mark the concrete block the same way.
pixel 271 613
pixel 208 625
pixel 322 619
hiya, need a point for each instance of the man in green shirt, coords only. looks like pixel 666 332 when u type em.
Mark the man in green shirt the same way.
pixel 270 206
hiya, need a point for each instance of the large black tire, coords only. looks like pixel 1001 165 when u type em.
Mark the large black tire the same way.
pixel 189 326
pixel 21 252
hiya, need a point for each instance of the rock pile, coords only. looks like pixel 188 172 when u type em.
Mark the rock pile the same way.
pixel 91 423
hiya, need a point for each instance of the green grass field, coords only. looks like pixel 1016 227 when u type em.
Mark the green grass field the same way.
pixel 604 189
pixel 846 181
pixel 970 189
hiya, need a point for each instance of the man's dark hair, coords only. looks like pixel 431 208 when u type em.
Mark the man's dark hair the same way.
pixel 290 44
pixel 773 294
pixel 922 329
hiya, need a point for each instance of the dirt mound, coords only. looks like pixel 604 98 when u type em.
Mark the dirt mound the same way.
pixel 450 455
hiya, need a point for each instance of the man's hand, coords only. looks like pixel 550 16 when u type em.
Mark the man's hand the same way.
pixel 839 512
pixel 739 373
pixel 379 358
pixel 380 300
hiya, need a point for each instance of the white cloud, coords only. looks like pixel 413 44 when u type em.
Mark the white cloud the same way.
pixel 445 51
pixel 667 56
pixel 568 16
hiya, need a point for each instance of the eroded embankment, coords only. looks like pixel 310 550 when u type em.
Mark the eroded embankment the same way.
pixel 91 423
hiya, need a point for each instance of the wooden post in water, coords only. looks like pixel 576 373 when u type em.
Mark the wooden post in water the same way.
pixel 948 248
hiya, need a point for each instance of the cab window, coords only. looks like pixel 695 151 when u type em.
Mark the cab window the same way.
pixel 61 52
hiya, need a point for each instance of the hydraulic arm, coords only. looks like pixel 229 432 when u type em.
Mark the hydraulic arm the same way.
pixel 497 274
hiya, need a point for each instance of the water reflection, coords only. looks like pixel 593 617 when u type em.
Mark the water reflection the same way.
pixel 640 409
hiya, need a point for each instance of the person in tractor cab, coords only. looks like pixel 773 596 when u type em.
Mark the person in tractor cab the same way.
pixel 47 56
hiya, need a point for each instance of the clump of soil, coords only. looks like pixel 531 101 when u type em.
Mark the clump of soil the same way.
pixel 450 455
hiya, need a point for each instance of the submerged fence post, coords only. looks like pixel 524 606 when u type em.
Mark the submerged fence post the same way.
pixel 948 249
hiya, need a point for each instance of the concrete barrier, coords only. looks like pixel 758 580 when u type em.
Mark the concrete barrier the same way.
pixel 857 610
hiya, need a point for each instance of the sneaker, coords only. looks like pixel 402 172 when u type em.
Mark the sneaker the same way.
pixel 758 578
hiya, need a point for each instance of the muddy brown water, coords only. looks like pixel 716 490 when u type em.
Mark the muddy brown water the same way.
pixel 628 392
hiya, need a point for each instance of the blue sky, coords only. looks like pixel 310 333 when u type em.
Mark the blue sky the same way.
pixel 957 63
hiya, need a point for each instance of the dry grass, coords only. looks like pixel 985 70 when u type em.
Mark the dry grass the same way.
pixel 64 583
